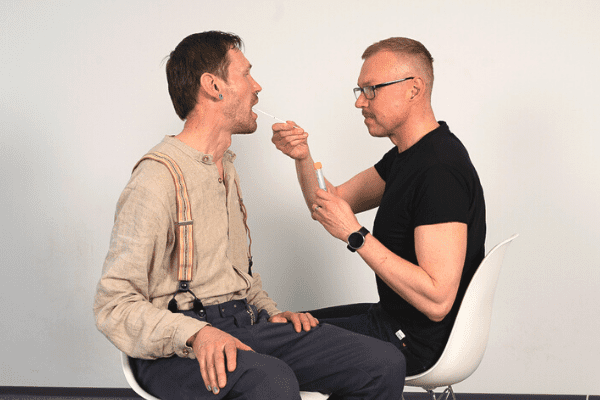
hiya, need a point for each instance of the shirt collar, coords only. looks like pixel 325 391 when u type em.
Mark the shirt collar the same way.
pixel 195 154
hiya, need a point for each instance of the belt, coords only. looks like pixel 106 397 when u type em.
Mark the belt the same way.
pixel 233 308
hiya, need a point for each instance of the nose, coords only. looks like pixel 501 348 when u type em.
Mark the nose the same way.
pixel 361 101
pixel 256 86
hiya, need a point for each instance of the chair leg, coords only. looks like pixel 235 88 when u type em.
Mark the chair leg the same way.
pixel 448 392
pixel 429 391
pixel 452 391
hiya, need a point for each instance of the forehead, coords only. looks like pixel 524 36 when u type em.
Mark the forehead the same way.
pixel 238 60
pixel 380 67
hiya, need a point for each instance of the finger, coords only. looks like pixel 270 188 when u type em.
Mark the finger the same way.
pixel 243 346
pixel 313 321
pixel 280 126
pixel 322 194
pixel 204 373
pixel 220 370
pixel 212 372
pixel 277 319
pixel 306 323
pixel 295 141
pixel 231 355
pixel 295 319
pixel 290 146
pixel 292 133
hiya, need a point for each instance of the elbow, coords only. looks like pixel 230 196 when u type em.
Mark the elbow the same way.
pixel 437 312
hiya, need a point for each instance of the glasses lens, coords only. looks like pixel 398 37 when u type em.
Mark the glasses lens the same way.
pixel 369 92
pixel 357 92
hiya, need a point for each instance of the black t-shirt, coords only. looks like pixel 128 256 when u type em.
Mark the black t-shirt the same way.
pixel 432 182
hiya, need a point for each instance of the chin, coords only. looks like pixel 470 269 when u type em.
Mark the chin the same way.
pixel 375 131
pixel 246 129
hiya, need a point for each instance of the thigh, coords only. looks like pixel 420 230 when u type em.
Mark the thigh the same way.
pixel 353 317
pixel 328 358
pixel 341 311
pixel 256 377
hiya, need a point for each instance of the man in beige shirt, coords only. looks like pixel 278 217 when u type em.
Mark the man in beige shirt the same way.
pixel 177 293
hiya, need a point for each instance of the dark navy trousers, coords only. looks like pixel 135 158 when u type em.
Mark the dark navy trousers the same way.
pixel 371 320
pixel 326 359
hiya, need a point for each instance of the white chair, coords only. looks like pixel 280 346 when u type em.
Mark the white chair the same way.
pixel 131 379
pixel 145 395
pixel 470 332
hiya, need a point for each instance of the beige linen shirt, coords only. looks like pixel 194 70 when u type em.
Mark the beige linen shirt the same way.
pixel 139 276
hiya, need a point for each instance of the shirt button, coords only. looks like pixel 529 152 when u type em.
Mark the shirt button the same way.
pixel 220 180
pixel 186 352
pixel 205 158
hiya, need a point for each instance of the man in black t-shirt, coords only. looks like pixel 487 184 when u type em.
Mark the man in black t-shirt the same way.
pixel 429 232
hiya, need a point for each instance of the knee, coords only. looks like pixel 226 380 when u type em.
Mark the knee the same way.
pixel 395 360
pixel 387 361
pixel 268 378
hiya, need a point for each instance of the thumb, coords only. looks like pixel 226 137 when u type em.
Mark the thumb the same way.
pixel 278 319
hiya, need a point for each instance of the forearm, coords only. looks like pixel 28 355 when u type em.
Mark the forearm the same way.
pixel 138 328
pixel 308 179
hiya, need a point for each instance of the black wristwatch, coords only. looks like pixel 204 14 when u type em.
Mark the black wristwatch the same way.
pixel 356 240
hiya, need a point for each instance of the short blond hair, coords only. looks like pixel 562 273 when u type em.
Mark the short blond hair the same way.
pixel 406 47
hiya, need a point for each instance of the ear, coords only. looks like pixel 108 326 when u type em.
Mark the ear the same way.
pixel 210 84
pixel 418 88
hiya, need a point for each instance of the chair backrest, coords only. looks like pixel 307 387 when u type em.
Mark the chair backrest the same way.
pixel 468 338
pixel 131 379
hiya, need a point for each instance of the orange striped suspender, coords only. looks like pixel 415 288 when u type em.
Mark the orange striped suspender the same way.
pixel 185 252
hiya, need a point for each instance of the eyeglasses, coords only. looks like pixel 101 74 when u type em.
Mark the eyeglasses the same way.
pixel 369 91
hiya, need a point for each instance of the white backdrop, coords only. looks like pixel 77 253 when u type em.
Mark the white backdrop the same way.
pixel 83 96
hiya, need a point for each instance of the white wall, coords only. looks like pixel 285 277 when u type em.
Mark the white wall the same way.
pixel 83 96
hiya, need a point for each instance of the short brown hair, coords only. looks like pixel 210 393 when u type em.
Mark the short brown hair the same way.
pixel 405 46
pixel 195 55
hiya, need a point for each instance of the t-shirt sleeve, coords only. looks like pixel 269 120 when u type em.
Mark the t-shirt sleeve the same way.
pixel 384 166
pixel 442 196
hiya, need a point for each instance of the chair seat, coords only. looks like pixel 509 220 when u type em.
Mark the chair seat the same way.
pixel 313 396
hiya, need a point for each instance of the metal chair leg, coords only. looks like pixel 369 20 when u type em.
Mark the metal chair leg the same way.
pixel 448 392
pixel 445 394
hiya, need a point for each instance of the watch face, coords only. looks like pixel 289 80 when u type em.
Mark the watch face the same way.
pixel 355 240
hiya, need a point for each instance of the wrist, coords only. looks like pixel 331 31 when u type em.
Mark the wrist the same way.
pixel 190 341
pixel 356 239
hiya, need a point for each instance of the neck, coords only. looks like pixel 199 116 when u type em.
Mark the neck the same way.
pixel 413 130
pixel 205 134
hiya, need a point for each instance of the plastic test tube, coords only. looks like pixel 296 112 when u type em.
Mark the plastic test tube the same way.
pixel 320 177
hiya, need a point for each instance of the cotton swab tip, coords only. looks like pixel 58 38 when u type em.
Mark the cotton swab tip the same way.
pixel 318 165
